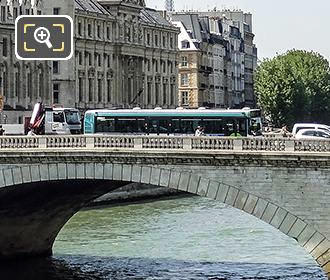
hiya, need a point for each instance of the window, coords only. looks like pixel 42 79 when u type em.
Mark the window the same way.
pixel 15 13
pixel 81 89
pixel 56 67
pixel 109 89
pixel 99 89
pixel 56 93
pixel 56 11
pixel 108 32
pixel 89 27
pixel 184 98
pixel 184 61
pixel 90 89
pixel 80 60
pixel 58 117
pixel 79 29
pixel 148 39
pixel 99 31
pixel 156 40
pixel 164 42
pixel 171 42
pixel 185 44
pixel 3 13
pixel 4 47
pixel 184 80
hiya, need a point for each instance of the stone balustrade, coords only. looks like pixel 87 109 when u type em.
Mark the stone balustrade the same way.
pixel 165 143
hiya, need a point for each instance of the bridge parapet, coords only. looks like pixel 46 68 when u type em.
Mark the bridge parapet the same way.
pixel 166 143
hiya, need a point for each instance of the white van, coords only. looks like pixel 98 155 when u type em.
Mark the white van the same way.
pixel 299 126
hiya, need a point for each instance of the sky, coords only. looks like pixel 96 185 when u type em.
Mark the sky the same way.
pixel 278 25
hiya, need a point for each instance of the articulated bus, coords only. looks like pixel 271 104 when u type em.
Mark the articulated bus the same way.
pixel 179 121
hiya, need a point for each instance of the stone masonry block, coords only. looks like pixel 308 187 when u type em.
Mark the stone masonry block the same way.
pixel 99 171
pixel 260 208
pixel 250 203
pixel 80 169
pixel 222 192
pixel 127 172
pixel 312 243
pixel 117 172
pixel 164 177
pixel 203 187
pixel 306 234
pixel 287 223
pixel 44 172
pixel 53 172
pixel 279 217
pixel 62 171
pixel 193 183
pixel 155 176
pixel 2 179
pixel 320 249
pixel 269 213
pixel 184 181
pixel 71 169
pixel 324 258
pixel 174 180
pixel 35 173
pixel 89 170
pixel 231 196
pixel 108 168
pixel 241 199
pixel 145 176
pixel 17 176
pixel 297 228
pixel 8 175
pixel 136 173
pixel 213 189
pixel 25 173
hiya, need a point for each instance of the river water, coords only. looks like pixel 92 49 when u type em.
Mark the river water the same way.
pixel 188 238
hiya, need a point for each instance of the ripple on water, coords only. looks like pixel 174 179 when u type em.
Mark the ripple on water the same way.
pixel 187 238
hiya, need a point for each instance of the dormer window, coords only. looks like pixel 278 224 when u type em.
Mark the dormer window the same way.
pixel 185 44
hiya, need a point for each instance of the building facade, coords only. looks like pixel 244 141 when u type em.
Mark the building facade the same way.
pixel 22 83
pixel 125 55
pixel 225 57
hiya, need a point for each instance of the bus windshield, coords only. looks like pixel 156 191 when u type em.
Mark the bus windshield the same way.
pixel 72 117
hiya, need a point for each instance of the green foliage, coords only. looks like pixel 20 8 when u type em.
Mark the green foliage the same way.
pixel 294 87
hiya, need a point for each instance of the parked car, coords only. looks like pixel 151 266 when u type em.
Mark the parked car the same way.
pixel 299 126
pixel 313 134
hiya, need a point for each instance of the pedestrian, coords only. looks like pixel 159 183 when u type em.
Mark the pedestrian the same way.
pixel 284 131
pixel 198 131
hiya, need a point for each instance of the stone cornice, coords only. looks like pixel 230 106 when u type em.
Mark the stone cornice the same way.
pixel 149 157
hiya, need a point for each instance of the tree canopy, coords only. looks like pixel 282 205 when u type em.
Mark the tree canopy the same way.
pixel 294 87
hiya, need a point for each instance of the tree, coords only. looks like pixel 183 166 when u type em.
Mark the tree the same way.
pixel 294 87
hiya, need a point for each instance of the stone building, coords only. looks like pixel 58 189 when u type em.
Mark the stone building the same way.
pixel 217 59
pixel 22 83
pixel 125 56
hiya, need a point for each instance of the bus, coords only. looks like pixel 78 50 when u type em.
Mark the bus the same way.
pixel 215 122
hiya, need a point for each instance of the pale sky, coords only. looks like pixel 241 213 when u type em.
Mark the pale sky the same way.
pixel 278 25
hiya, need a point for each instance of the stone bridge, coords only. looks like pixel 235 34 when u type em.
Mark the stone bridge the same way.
pixel 44 181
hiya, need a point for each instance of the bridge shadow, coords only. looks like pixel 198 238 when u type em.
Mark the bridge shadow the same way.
pixel 79 267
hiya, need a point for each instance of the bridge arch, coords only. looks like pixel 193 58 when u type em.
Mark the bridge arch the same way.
pixel 86 181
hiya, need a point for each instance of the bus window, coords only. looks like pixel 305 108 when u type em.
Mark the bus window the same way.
pixel 104 124
pixel 188 126
pixel 58 117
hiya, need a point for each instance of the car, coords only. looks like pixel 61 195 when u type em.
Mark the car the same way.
pixel 313 134
pixel 299 126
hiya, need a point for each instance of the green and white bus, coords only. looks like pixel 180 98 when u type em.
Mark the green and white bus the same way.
pixel 179 121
